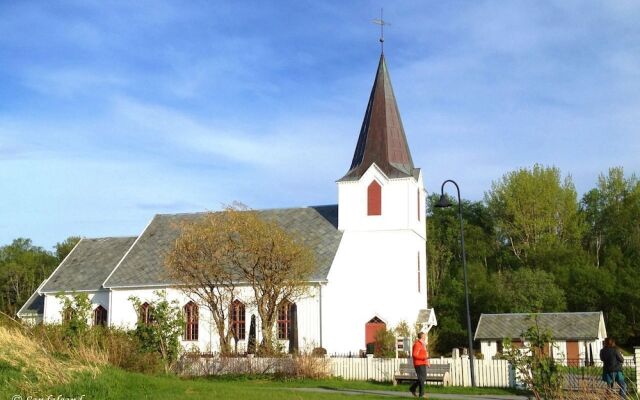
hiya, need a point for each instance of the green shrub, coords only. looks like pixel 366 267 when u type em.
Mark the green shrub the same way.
pixel 162 334
pixel 385 344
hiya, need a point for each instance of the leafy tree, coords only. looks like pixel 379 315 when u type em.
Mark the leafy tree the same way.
pixel 23 267
pixel 162 333
pixel 525 291
pixel 443 244
pixel 535 211
pixel 612 212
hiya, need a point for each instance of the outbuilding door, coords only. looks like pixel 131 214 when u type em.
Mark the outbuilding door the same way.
pixel 573 353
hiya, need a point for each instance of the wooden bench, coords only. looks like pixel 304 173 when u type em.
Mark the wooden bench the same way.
pixel 435 373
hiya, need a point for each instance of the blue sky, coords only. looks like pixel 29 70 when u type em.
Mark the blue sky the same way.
pixel 111 112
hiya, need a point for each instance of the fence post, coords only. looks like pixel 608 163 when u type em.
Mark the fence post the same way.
pixel 636 356
pixel 464 369
pixel 369 365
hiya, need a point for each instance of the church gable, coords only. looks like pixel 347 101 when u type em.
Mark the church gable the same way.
pixel 143 265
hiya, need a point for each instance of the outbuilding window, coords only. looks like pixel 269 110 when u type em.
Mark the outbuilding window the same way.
pixel 238 320
pixel 191 321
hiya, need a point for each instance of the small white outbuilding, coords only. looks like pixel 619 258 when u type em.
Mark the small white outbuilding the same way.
pixel 577 336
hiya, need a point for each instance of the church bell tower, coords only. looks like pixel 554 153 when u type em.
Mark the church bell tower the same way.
pixel 378 278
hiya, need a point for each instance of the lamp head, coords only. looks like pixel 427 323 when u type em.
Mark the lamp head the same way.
pixel 443 202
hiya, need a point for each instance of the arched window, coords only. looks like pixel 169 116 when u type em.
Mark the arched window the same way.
pixel 374 199
pixel 284 320
pixel 191 321
pixel 145 314
pixel 237 313
pixel 100 316
pixel 67 314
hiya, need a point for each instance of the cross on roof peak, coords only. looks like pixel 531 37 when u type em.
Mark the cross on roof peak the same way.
pixel 380 21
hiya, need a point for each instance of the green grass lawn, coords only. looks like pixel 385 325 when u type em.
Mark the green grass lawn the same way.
pixel 113 383
pixel 335 383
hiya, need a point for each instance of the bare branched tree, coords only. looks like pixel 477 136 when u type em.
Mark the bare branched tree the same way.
pixel 201 265
pixel 237 247
pixel 272 262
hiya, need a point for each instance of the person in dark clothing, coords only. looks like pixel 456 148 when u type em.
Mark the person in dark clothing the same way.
pixel 612 362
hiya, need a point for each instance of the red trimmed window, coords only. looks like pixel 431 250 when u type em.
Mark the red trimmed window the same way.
pixel 284 320
pixel 374 199
pixel 100 316
pixel 191 321
pixel 238 320
pixel 146 314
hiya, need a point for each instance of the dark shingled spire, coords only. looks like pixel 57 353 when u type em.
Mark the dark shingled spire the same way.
pixel 382 139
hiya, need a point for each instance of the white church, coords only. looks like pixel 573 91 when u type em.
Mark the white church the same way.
pixel 370 251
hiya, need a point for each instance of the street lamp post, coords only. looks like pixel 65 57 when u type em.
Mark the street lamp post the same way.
pixel 444 203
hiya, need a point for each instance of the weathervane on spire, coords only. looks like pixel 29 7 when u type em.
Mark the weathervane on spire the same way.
pixel 382 23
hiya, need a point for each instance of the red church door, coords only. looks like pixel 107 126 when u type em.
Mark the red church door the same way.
pixel 370 329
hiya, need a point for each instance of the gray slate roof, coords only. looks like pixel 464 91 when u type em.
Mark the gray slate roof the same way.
pixel 88 264
pixel 316 227
pixel 578 325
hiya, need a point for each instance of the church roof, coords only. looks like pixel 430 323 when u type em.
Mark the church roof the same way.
pixel 88 264
pixel 382 139
pixel 575 325
pixel 143 265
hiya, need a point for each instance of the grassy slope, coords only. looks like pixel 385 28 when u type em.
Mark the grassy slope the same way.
pixel 29 369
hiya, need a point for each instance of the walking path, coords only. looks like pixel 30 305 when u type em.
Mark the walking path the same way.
pixel 389 393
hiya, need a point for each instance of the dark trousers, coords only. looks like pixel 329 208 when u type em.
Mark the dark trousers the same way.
pixel 421 373
pixel 617 377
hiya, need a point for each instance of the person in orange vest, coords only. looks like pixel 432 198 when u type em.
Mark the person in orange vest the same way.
pixel 420 357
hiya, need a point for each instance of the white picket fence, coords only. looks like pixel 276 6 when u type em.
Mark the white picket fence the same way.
pixel 489 373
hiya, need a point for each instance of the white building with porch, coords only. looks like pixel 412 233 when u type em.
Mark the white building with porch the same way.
pixel 577 336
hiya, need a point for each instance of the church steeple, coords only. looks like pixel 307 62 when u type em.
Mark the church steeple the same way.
pixel 382 139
